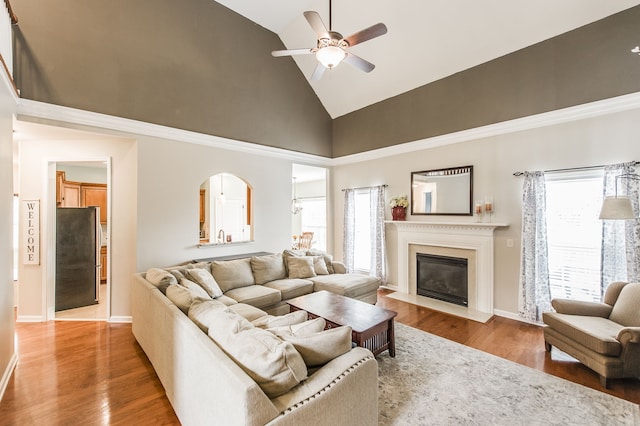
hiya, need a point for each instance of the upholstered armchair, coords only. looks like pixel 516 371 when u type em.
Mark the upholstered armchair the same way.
pixel 603 336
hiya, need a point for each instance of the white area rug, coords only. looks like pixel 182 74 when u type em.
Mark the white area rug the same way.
pixel 434 381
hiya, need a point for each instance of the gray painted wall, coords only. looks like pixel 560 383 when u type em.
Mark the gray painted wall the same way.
pixel 189 64
pixel 590 63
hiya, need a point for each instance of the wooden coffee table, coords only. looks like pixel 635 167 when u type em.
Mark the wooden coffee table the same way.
pixel 372 327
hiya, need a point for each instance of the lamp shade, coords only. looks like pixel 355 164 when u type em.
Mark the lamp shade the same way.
pixel 616 208
pixel 330 56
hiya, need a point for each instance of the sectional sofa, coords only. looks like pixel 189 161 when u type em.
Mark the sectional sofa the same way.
pixel 227 351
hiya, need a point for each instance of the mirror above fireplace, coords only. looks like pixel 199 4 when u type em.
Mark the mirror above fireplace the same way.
pixel 442 191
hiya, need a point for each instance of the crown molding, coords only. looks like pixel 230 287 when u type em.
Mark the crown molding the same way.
pixel 30 110
pixel 574 113
pixel 34 111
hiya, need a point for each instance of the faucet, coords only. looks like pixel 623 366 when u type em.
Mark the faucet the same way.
pixel 221 236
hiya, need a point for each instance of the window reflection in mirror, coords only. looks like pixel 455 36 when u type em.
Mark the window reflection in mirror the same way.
pixel 442 191
pixel 225 210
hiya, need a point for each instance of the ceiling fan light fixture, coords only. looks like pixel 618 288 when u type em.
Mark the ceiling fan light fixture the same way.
pixel 330 56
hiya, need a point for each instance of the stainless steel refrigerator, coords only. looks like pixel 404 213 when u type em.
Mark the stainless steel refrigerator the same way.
pixel 77 257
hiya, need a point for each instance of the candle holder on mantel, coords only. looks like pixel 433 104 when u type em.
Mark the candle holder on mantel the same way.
pixel 477 210
pixel 488 206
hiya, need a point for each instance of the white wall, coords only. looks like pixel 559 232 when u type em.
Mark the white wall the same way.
pixel 602 140
pixel 169 178
pixel 7 322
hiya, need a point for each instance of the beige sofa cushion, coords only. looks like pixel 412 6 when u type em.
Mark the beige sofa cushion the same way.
pixel 349 285
pixel 230 274
pixel 328 259
pixel 272 363
pixel 255 295
pixel 204 278
pixel 302 329
pixel 268 268
pixel 270 321
pixel 596 333
pixel 248 312
pixel 201 312
pixel 321 347
pixel 195 289
pixel 160 278
pixel 626 310
pixel 291 287
pixel 301 267
pixel 181 296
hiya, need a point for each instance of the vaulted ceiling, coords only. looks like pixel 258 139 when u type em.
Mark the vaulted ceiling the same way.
pixel 427 39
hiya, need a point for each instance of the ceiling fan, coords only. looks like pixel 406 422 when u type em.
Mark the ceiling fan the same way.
pixel 332 47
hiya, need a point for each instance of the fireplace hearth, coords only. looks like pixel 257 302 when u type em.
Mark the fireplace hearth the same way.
pixel 443 278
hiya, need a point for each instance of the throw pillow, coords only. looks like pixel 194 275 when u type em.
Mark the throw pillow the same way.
pixel 270 321
pixel 195 289
pixel 328 259
pixel 301 267
pixel 204 278
pixel 272 363
pixel 321 347
pixel 201 312
pixel 268 268
pixel 303 329
pixel 160 278
pixel 286 254
pixel 319 266
pixel 181 296
pixel 230 274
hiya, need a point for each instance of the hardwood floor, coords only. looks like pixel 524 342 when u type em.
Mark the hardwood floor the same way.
pixel 94 373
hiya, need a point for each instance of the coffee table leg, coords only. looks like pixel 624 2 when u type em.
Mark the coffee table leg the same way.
pixel 392 339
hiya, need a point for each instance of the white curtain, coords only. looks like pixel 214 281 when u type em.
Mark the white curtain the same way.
pixel 620 257
pixel 348 241
pixel 377 258
pixel 535 293
pixel 378 252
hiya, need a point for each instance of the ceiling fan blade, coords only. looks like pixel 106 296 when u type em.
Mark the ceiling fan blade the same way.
pixel 292 52
pixel 358 62
pixel 316 24
pixel 317 73
pixel 367 34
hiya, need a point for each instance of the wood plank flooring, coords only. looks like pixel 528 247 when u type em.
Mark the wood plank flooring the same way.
pixel 94 373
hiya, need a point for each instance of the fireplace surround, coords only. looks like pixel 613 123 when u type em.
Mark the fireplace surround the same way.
pixel 471 241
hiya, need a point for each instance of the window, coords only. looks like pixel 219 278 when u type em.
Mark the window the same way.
pixel 314 219
pixel 362 238
pixel 574 234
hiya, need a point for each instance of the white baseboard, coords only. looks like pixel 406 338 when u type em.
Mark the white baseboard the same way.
pixel 30 318
pixel 8 372
pixel 513 316
pixel 121 319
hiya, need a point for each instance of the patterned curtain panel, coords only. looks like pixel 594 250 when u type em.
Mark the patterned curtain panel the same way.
pixel 535 293
pixel 620 258
pixel 378 253
pixel 349 228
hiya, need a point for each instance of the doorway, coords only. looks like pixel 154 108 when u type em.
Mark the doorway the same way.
pixel 81 278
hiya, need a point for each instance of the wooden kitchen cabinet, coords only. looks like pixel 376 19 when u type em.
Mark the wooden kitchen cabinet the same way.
pixel 95 194
pixel 103 264
pixel 70 194
pixel 203 197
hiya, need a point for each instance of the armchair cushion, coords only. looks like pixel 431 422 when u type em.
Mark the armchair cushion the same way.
pixel 626 311
pixel 597 334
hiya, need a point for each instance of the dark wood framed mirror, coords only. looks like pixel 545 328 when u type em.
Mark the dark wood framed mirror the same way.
pixel 442 191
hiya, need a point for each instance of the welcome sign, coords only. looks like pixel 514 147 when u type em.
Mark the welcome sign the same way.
pixel 31 232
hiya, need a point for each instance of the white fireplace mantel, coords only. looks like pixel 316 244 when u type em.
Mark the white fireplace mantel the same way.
pixel 475 236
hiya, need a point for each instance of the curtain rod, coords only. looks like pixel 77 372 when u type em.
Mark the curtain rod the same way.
pixel 363 187
pixel 570 169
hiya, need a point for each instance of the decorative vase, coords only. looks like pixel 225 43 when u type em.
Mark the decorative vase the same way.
pixel 398 213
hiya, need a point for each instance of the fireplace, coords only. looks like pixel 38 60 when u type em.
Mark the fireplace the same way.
pixel 442 277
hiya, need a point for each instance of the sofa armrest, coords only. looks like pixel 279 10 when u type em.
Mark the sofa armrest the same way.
pixel 578 307
pixel 629 335
pixel 338 267
pixel 344 387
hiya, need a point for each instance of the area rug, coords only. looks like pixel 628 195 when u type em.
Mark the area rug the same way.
pixel 434 381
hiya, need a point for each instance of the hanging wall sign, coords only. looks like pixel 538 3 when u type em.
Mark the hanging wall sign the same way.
pixel 31 232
